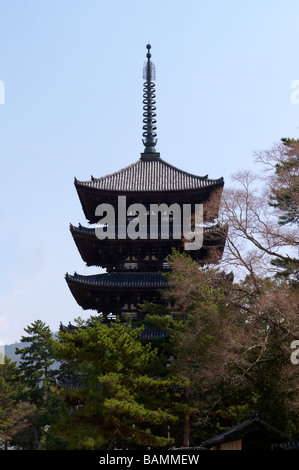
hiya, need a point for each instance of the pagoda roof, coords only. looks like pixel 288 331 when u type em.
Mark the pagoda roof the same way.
pixel 119 279
pixel 91 231
pixel 103 291
pixel 150 174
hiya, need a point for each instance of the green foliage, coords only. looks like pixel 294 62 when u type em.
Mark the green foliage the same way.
pixel 233 345
pixel 285 193
pixel 12 411
pixel 116 400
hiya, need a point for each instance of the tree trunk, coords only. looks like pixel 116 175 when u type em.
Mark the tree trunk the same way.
pixel 111 445
pixel 186 430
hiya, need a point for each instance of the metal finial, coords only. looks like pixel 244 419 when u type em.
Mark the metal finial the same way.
pixel 149 135
pixel 148 50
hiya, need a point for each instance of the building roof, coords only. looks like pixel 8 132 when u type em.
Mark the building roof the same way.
pixel 151 174
pixel 119 279
pixel 252 424
pixel 109 292
pixel 216 230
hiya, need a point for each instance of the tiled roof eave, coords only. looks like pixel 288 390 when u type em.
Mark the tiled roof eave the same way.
pixel 216 229
pixel 118 280
pixel 86 187
pixel 148 176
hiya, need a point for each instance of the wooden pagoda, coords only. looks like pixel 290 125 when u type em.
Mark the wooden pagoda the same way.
pixel 135 265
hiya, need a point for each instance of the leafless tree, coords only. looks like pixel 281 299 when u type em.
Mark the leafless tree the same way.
pixel 255 238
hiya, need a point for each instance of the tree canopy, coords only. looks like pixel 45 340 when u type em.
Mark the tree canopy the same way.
pixel 115 400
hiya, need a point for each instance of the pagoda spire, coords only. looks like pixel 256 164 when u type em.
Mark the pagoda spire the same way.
pixel 149 116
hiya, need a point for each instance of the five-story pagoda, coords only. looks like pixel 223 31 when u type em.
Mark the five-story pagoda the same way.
pixel 139 214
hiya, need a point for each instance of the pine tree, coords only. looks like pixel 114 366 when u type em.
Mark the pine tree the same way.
pixel 114 400
pixel 285 183
pixel 36 358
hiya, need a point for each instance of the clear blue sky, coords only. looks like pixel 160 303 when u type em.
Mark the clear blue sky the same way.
pixel 72 72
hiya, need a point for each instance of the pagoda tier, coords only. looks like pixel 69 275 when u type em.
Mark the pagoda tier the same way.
pixel 144 254
pixel 150 181
pixel 116 293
